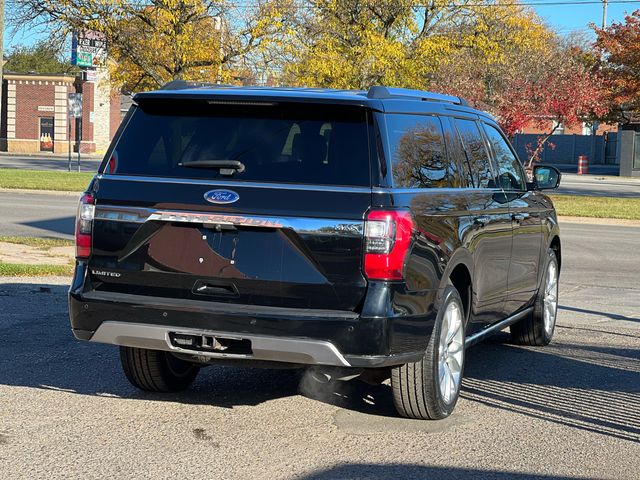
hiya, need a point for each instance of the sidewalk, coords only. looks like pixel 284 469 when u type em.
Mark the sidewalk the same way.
pixel 594 169
pixel 592 177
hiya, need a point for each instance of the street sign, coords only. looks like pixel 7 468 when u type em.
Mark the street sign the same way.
pixel 75 105
pixel 88 49
pixel 89 75
pixel 84 59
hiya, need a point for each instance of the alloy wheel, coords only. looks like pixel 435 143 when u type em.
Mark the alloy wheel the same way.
pixel 551 298
pixel 451 353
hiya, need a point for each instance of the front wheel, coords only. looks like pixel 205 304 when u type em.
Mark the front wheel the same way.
pixel 156 371
pixel 538 327
pixel 429 389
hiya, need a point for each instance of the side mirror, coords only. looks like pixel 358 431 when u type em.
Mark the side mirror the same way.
pixel 546 177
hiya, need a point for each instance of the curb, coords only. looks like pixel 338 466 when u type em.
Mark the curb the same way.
pixel 620 222
pixel 41 192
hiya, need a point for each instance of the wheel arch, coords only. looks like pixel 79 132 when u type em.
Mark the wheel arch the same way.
pixel 459 273
pixel 556 246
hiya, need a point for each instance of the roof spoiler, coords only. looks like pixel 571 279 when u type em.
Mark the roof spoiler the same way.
pixel 380 92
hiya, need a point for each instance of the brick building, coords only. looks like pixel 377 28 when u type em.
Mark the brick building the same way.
pixel 35 113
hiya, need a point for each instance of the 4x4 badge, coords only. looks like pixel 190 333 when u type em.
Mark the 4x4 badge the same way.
pixel 221 196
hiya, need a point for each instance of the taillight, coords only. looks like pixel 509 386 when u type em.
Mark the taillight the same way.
pixel 112 164
pixel 84 225
pixel 387 241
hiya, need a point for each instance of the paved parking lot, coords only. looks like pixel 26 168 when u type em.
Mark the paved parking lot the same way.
pixel 570 410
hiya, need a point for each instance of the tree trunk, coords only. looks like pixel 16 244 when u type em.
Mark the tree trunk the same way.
pixel 534 156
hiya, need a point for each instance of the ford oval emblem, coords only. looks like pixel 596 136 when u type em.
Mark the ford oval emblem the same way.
pixel 221 196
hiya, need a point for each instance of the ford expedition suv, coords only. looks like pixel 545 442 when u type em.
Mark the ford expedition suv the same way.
pixel 370 231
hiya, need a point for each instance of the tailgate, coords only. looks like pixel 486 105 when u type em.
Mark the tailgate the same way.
pixel 284 247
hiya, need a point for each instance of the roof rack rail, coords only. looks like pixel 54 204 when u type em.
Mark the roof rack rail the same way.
pixel 389 92
pixel 182 84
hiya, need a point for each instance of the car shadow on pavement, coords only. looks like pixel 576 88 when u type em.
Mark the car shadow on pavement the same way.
pixel 573 383
pixel 61 225
pixel 612 316
pixel 408 471
pixel 583 386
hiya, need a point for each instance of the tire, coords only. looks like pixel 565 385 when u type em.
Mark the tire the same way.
pixel 156 371
pixel 417 388
pixel 537 328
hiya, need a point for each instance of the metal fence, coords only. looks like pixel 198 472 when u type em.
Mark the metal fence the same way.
pixel 565 149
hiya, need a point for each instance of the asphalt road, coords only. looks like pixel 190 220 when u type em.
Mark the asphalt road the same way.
pixel 594 185
pixel 37 214
pixel 569 410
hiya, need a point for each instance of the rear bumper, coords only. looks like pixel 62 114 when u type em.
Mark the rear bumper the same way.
pixel 263 347
pixel 384 334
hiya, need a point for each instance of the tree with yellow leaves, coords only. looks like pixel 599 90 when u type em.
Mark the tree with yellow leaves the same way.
pixel 153 42
pixel 359 43
pixel 406 43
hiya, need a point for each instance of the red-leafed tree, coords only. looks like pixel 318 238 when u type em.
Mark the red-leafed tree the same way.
pixel 619 47
pixel 543 90
pixel 567 93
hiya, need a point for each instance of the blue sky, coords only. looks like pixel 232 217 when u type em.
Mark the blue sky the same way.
pixel 567 18
pixel 562 18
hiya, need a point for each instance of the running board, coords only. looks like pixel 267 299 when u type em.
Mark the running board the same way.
pixel 496 327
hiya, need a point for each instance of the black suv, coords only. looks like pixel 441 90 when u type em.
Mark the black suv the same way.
pixel 375 233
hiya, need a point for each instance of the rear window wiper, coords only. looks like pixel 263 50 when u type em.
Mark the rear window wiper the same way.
pixel 227 167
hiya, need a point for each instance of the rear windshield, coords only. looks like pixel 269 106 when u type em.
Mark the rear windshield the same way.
pixel 291 143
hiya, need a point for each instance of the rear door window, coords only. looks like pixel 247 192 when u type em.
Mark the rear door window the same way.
pixel 419 156
pixel 509 175
pixel 288 143
pixel 478 165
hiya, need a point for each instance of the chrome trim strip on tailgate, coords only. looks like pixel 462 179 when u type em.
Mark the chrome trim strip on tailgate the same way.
pixel 277 349
pixel 329 226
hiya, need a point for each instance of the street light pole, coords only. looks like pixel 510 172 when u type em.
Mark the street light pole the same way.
pixel 604 13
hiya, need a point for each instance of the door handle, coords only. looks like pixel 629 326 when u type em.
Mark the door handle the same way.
pixel 481 221
pixel 519 217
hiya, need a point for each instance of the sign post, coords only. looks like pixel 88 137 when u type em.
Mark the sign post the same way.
pixel 75 111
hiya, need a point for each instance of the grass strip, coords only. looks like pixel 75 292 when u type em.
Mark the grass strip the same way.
pixel 597 207
pixel 44 243
pixel 24 270
pixel 44 180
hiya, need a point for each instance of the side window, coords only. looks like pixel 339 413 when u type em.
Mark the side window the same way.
pixel 479 173
pixel 509 174
pixel 418 153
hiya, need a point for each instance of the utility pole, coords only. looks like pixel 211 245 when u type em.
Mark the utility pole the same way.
pixel 604 13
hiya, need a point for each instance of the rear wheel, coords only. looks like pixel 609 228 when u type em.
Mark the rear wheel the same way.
pixel 156 371
pixel 429 388
pixel 538 327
